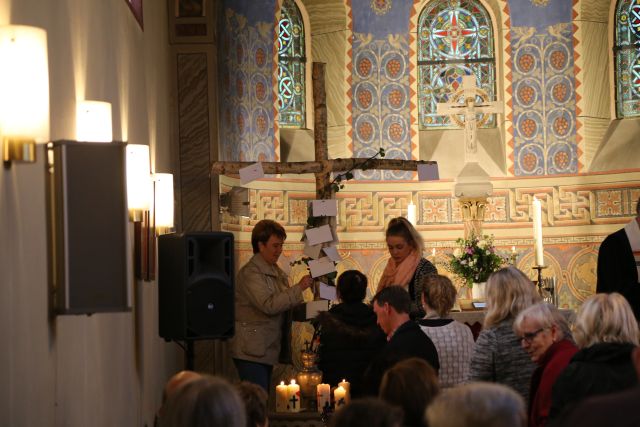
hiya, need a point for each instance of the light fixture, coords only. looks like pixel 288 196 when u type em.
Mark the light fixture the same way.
pixel 24 91
pixel 236 201
pixel 139 184
pixel 163 202
pixel 93 121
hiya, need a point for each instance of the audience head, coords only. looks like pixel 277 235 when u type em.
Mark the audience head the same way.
pixel 410 384
pixel 208 401
pixel 402 239
pixel 255 403
pixel 605 318
pixel 438 294
pixel 479 405
pixel 265 234
pixel 370 412
pixel 178 381
pixel 538 327
pixel 509 291
pixel 352 286
pixel 391 305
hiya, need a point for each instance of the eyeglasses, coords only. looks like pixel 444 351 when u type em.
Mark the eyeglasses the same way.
pixel 529 336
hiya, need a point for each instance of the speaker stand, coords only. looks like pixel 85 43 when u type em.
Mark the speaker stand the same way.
pixel 190 354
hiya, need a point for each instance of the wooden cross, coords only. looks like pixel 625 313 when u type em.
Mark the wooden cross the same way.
pixel 468 109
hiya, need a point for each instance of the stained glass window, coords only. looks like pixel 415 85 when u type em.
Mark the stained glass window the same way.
pixel 627 54
pixel 455 38
pixel 291 67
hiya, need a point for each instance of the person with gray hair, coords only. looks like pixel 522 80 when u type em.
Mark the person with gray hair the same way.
pixel 606 332
pixel 545 335
pixel 478 404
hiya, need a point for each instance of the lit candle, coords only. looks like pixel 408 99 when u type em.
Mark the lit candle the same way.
pixel 294 397
pixel 433 252
pixel 346 385
pixel 324 396
pixel 339 396
pixel 411 213
pixel 537 231
pixel 282 397
pixel 513 249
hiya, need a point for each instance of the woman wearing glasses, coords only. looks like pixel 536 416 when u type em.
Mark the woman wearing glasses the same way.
pixel 544 334
pixel 498 356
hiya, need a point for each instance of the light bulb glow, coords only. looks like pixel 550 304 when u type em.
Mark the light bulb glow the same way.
pixel 164 199
pixel 93 121
pixel 139 184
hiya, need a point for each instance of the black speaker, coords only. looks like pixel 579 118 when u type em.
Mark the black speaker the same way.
pixel 196 286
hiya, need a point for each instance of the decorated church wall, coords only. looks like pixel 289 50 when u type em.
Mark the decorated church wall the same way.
pixel 555 87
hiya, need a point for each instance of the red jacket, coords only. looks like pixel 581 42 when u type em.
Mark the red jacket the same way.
pixel 550 366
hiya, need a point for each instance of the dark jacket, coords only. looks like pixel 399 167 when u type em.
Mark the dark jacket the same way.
pixel 600 369
pixel 407 341
pixel 349 339
pixel 425 268
pixel 617 270
pixel 616 409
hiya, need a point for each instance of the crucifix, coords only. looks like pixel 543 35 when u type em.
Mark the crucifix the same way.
pixel 469 108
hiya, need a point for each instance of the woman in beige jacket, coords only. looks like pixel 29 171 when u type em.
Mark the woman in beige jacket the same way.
pixel 262 296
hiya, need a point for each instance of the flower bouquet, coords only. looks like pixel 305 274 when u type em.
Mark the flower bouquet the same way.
pixel 475 259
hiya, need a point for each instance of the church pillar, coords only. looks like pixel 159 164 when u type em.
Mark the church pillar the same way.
pixel 472 209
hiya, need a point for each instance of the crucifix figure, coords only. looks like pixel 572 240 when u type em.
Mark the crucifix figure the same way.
pixel 469 108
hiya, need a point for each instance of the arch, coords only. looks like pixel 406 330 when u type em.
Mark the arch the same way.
pixel 626 58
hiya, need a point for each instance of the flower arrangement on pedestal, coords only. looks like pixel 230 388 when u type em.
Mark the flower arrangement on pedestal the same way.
pixel 475 259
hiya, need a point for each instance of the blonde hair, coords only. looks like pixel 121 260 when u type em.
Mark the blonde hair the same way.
pixel 605 318
pixel 544 315
pixel 439 293
pixel 509 291
pixel 400 226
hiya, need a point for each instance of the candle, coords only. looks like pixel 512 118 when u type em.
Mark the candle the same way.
pixel 411 213
pixel 433 252
pixel 339 396
pixel 324 396
pixel 346 385
pixel 282 397
pixel 513 249
pixel 294 397
pixel 537 231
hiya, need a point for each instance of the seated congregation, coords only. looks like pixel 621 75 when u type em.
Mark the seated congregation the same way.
pixel 527 367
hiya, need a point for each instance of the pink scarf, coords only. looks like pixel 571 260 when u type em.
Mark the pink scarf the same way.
pixel 399 274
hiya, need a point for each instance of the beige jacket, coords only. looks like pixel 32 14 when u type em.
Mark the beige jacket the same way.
pixel 262 296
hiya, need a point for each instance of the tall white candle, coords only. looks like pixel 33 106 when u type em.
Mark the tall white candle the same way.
pixel 324 396
pixel 282 397
pixel 346 385
pixel 339 396
pixel 294 397
pixel 411 213
pixel 537 231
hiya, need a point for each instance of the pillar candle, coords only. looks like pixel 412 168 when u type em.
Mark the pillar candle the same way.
pixel 339 396
pixel 294 397
pixel 537 231
pixel 324 396
pixel 282 397
pixel 411 213
pixel 346 385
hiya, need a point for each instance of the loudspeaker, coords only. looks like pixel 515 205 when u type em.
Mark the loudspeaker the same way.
pixel 196 286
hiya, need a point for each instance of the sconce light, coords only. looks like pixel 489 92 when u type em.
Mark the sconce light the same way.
pixel 93 121
pixel 24 91
pixel 163 202
pixel 139 184
pixel 236 201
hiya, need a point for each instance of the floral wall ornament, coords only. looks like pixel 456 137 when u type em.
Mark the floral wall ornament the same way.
pixel 380 7
pixel 540 3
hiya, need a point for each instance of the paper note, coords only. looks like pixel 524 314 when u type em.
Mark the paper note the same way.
pixel 332 253
pixel 312 251
pixel 320 267
pixel 324 207
pixel 428 172
pixel 319 235
pixel 327 292
pixel 251 173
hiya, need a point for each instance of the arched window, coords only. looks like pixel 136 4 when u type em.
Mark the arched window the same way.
pixel 627 53
pixel 455 38
pixel 291 66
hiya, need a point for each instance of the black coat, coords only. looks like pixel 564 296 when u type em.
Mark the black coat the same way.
pixel 616 409
pixel 617 270
pixel 349 339
pixel 408 341
pixel 600 369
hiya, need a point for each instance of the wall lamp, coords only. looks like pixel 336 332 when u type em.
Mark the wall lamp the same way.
pixel 24 92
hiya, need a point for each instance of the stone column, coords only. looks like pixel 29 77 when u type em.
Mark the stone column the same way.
pixel 472 209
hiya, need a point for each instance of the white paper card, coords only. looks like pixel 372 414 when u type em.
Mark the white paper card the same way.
pixel 332 253
pixel 251 173
pixel 319 235
pixel 428 172
pixel 320 267
pixel 325 207
pixel 312 251
pixel 313 308
pixel 327 292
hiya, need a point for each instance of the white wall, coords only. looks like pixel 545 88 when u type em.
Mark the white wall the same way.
pixel 107 369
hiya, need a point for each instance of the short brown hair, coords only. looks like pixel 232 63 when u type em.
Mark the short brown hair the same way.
pixel 263 230
pixel 396 296
pixel 255 403
pixel 439 293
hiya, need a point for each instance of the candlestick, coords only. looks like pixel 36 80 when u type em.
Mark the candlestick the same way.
pixel 513 256
pixel 339 396
pixel 539 268
pixel 282 396
pixel 324 396
pixel 433 253
pixel 346 385
pixel 537 231
pixel 294 397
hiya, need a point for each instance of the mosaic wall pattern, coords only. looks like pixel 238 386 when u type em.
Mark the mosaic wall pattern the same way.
pixel 247 99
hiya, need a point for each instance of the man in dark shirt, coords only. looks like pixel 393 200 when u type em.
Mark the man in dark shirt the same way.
pixel 405 339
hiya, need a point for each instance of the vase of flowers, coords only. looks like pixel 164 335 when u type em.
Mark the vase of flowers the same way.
pixel 473 260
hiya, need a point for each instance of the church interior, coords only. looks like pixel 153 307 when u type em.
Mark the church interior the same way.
pixel 199 81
